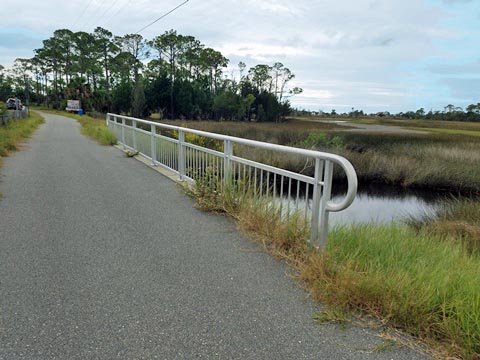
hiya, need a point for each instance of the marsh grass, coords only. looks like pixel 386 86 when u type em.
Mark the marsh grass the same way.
pixel 12 135
pixel 446 159
pixel 440 161
pixel 411 280
pixel 455 220
pixel 284 133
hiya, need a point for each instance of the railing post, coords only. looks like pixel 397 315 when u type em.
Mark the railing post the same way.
pixel 181 154
pixel 317 195
pixel 107 119
pixel 134 125
pixel 123 133
pixel 324 213
pixel 227 164
pixel 153 145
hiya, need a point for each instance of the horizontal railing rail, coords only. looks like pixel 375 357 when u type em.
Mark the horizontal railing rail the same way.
pixel 177 151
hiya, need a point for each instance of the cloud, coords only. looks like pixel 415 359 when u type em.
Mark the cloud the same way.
pixel 362 53
pixel 276 6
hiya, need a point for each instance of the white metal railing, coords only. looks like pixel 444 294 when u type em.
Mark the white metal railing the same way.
pixel 290 191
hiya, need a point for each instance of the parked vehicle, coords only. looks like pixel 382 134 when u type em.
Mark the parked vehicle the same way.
pixel 14 104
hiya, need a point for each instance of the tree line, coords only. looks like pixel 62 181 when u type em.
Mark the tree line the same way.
pixel 172 74
pixel 449 113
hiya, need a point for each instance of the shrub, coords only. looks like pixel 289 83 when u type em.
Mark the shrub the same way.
pixel 323 141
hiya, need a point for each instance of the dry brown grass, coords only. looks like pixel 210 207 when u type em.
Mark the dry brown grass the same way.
pixel 284 133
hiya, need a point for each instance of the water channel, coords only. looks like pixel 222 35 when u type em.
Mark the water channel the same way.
pixel 384 204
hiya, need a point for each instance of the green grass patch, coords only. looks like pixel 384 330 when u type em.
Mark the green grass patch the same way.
pixel 97 130
pixel 415 281
pixel 12 135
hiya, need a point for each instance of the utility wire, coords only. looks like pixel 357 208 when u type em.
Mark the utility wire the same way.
pixel 119 10
pixel 97 21
pixel 83 13
pixel 98 14
pixel 161 17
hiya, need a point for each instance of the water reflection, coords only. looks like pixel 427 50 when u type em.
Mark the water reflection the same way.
pixel 384 204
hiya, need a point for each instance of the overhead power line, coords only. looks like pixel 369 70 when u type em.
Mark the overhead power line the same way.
pixel 83 13
pixel 97 21
pixel 119 10
pixel 161 17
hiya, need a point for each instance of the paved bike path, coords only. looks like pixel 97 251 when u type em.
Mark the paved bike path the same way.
pixel 103 258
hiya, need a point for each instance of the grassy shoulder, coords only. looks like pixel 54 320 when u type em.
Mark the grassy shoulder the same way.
pixel 13 134
pixel 411 280
pixel 94 128
pixel 421 279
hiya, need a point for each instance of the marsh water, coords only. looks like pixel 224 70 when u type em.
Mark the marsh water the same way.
pixel 384 204
pixel 380 204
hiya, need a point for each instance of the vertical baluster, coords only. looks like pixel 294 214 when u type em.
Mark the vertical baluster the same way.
pixel 289 196
pixel 228 152
pixel 153 143
pixel 317 194
pixel 298 195
pixel 306 203
pixel 255 183
pixel 268 184
pixel 181 154
pixel 261 183
pixel 134 124
pixel 326 195
pixel 274 189
pixel 281 195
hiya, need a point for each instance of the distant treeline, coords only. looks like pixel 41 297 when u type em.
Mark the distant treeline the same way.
pixel 449 113
pixel 172 74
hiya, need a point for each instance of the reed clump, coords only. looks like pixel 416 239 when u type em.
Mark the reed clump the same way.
pixel 455 220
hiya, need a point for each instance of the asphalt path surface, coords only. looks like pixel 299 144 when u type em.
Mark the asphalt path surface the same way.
pixel 103 258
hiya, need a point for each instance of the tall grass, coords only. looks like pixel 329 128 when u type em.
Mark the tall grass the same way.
pixel 16 131
pixel 414 281
pixel 446 165
pixel 457 220
pixel 96 129
pixel 283 133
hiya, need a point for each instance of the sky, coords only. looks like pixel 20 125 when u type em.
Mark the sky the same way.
pixel 371 55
